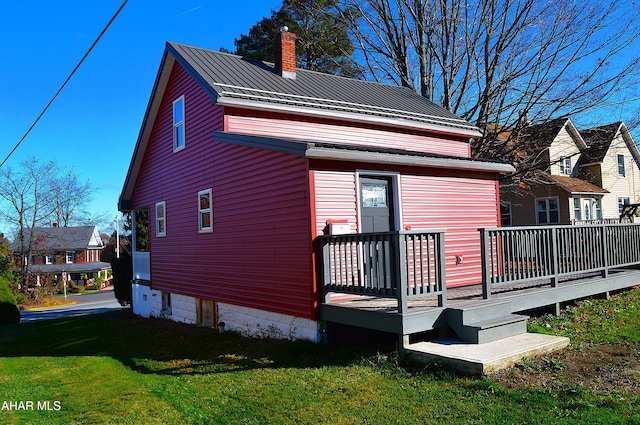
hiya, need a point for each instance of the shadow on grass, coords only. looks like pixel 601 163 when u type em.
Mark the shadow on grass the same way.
pixel 158 346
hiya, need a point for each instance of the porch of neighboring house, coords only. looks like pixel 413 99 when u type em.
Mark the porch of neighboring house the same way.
pixel 524 268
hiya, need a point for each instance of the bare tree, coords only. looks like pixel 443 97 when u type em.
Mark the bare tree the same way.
pixel 37 194
pixel 489 61
pixel 27 194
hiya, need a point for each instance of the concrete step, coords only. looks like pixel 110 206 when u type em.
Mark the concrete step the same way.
pixel 484 359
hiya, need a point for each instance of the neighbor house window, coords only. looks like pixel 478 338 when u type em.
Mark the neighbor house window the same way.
pixel 565 165
pixel 547 210
pixel 161 219
pixel 505 213
pixel 621 203
pixel 70 257
pixel 205 211
pixel 577 214
pixel 178 124
pixel 48 259
pixel 621 168
pixel 597 209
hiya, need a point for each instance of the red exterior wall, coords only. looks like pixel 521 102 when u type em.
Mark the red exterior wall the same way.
pixel 259 253
pixel 456 201
pixel 332 133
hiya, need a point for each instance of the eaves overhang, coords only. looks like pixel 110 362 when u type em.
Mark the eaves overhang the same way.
pixel 348 153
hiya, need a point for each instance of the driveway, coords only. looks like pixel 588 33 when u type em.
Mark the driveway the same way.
pixel 91 303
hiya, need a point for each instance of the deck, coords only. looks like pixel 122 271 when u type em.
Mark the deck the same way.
pixel 524 269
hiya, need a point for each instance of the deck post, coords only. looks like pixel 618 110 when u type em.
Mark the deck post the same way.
pixel 442 270
pixel 485 255
pixel 398 242
pixel 554 257
pixel 326 271
pixel 605 251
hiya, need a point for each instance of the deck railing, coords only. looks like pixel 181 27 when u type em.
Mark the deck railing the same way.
pixel 521 254
pixel 401 265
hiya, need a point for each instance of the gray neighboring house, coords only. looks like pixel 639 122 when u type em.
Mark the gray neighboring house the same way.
pixel 54 250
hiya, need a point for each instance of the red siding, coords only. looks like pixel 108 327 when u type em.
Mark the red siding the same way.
pixel 258 254
pixel 346 135
pixel 335 199
pixel 459 205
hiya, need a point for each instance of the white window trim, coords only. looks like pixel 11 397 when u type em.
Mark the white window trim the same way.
pixel 49 259
pixel 162 204
pixel 69 257
pixel 566 167
pixel 177 148
pixel 548 210
pixel 621 205
pixel 209 210
pixel 624 165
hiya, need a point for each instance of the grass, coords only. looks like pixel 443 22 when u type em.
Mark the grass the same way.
pixel 119 369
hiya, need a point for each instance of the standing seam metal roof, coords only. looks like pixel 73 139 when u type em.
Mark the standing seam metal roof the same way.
pixel 228 77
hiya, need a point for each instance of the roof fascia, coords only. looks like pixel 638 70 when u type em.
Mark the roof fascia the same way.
pixel 631 144
pixel 157 93
pixel 346 116
pixel 311 151
pixel 575 134
pixel 195 75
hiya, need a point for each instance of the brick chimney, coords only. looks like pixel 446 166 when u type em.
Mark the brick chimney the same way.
pixel 285 52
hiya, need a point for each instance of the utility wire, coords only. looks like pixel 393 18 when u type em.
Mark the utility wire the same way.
pixel 65 82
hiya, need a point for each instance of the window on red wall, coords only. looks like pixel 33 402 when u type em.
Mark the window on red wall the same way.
pixel 161 219
pixel 205 211
pixel 178 124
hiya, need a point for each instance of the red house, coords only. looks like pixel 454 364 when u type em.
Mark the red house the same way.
pixel 243 166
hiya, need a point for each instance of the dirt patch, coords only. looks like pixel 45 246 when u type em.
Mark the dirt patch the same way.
pixel 46 302
pixel 600 367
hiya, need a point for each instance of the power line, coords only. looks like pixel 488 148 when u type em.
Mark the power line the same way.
pixel 65 82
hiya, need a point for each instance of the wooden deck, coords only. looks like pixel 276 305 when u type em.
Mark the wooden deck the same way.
pixel 424 314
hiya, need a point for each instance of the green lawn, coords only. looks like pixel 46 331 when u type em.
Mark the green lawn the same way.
pixel 118 369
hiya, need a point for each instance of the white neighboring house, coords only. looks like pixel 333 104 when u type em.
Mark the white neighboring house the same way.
pixel 583 176
pixel 612 162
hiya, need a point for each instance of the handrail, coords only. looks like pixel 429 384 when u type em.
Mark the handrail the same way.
pixel 537 253
pixel 401 265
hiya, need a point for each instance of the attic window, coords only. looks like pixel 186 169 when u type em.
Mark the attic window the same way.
pixel 178 124
pixel 565 165
pixel 621 167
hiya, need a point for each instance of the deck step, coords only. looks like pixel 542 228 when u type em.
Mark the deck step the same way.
pixel 479 323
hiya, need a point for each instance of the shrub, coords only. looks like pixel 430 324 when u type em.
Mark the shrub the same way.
pixel 9 311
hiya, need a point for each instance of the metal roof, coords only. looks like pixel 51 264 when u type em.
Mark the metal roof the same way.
pixel 234 80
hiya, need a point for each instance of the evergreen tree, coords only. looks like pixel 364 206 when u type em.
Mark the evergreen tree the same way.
pixel 323 43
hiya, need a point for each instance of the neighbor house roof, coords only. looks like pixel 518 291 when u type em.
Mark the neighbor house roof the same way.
pixel 540 136
pixel 61 239
pixel 90 267
pixel 573 185
pixel 599 140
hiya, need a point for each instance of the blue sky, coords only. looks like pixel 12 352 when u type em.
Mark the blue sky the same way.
pixel 94 123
